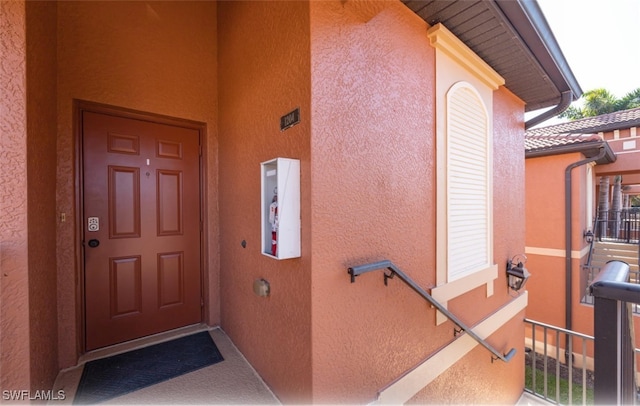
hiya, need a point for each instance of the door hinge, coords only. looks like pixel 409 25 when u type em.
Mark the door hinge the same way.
pixel 201 302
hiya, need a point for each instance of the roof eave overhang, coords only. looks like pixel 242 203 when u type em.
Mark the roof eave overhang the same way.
pixel 532 26
pixel 588 149
pixel 515 40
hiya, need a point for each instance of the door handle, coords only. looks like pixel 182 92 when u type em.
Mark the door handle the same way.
pixel 94 243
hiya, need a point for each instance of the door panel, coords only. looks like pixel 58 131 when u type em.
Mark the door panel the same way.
pixel 123 195
pixel 169 203
pixel 141 181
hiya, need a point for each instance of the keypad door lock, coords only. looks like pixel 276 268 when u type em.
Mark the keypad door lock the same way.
pixel 93 224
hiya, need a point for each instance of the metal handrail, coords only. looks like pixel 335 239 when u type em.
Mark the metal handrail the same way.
pixel 388 265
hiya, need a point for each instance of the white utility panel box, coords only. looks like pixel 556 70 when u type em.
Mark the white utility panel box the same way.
pixel 280 205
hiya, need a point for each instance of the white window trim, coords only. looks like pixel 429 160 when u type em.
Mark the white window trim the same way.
pixel 454 63
pixel 447 288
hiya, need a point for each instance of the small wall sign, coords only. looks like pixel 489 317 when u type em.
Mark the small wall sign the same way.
pixel 290 119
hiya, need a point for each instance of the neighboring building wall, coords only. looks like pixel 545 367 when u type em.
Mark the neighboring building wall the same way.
pixel 264 73
pixel 545 241
pixel 14 253
pixel 626 145
pixel 373 176
pixel 157 57
pixel 545 225
pixel 41 197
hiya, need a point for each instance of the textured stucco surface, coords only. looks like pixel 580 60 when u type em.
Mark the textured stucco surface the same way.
pixel 14 278
pixel 544 178
pixel 157 57
pixel 363 75
pixel 475 380
pixel 373 196
pixel 545 212
pixel 41 172
pixel 264 74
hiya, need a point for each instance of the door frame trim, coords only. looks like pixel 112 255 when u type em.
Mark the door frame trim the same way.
pixel 80 106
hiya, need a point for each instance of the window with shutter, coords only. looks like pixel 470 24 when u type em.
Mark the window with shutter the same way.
pixel 464 172
pixel 468 182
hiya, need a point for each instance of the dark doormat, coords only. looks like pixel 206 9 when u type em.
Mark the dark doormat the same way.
pixel 106 378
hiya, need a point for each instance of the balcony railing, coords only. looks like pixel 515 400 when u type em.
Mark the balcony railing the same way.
pixel 550 373
pixel 614 364
pixel 589 273
pixel 618 225
pixel 567 367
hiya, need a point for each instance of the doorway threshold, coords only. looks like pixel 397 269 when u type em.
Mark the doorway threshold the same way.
pixel 142 342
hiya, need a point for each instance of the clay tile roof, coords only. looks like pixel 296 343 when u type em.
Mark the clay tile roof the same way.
pixel 543 141
pixel 605 122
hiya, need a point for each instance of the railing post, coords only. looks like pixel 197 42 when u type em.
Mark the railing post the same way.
pixel 613 359
pixel 607 385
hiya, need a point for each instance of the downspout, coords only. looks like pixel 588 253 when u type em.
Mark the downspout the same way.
pixel 568 235
pixel 565 100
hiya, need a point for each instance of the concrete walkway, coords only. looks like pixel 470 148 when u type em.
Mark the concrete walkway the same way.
pixel 232 381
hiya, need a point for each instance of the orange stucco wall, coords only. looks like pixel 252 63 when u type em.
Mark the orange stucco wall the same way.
pixel 365 142
pixel 373 197
pixel 474 379
pixel 373 151
pixel 545 229
pixel 363 75
pixel 14 259
pixel 263 74
pixel 545 219
pixel 41 196
pixel 157 57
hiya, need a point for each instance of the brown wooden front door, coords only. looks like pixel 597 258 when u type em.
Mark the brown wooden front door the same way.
pixel 141 197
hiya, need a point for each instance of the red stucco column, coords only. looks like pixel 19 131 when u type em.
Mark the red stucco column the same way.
pixel 14 288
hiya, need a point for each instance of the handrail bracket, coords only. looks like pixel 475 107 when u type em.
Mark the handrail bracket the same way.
pixel 388 276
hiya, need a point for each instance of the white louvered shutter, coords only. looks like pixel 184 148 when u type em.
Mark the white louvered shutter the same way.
pixel 468 183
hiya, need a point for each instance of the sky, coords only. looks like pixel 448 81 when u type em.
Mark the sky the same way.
pixel 600 40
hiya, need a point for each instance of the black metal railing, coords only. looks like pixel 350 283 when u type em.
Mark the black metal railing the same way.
pixel 618 225
pixel 589 273
pixel 614 353
pixel 547 376
pixel 387 265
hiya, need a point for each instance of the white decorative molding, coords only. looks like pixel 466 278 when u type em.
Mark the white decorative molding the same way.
pixel 445 292
pixel 443 39
pixel 554 252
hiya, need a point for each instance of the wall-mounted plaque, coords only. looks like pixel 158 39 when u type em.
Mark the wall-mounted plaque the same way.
pixel 290 119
